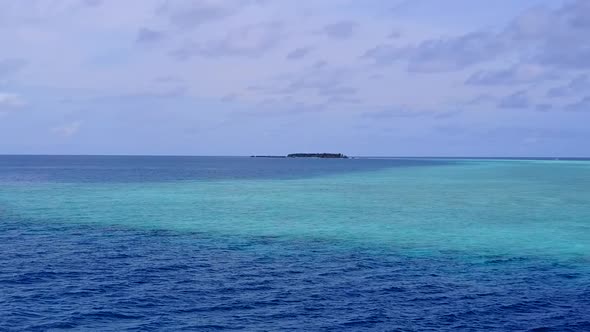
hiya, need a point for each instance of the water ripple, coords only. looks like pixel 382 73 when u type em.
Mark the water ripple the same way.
pixel 188 281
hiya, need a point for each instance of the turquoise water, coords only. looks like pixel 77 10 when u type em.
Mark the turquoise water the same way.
pixel 527 218
pixel 525 207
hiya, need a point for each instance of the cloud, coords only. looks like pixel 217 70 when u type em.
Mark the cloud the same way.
pixel 523 73
pixel 318 79
pixel 282 106
pixel 298 53
pixel 92 3
pixel 583 105
pixel 524 134
pixel 165 91
pixel 450 130
pixel 394 113
pixel 557 38
pixel 513 133
pixel 482 99
pixel 447 114
pixel 579 84
pixel 518 99
pixel 67 130
pixel 395 34
pixel 11 66
pixel 554 39
pixel 169 79
pixel 531 140
pixel 188 14
pixel 230 97
pixel 343 100
pixel 148 36
pixel 250 40
pixel 340 30
pixel 543 107
pixel 43 12
pixel 385 54
pixel 317 84
pixel 234 42
pixel 337 91
pixel 439 55
pixel 10 102
pixel 405 112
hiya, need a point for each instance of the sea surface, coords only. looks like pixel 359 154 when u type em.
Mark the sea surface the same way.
pixel 114 243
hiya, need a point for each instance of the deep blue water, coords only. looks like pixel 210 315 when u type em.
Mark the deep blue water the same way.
pixel 181 168
pixel 174 258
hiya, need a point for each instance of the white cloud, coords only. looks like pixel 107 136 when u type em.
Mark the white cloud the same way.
pixel 250 40
pixel 67 130
pixel 10 102
pixel 518 74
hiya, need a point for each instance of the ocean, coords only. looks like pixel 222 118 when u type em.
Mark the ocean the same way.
pixel 121 243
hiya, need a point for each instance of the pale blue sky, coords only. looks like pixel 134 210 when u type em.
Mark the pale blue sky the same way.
pixel 240 77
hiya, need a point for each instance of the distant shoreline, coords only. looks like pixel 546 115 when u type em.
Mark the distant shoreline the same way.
pixel 39 155
pixel 308 155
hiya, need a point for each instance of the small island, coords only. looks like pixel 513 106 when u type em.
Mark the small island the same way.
pixel 309 155
pixel 317 155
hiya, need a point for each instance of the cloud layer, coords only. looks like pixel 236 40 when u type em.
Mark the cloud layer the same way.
pixel 337 75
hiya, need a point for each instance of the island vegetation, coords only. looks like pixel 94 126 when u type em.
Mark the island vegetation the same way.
pixel 317 155
pixel 309 155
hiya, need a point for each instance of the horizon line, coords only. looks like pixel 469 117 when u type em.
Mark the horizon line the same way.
pixel 248 156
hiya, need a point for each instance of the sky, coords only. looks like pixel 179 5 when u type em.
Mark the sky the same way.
pixel 242 77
